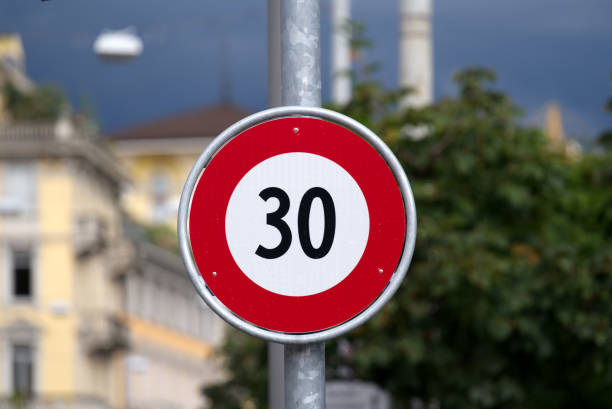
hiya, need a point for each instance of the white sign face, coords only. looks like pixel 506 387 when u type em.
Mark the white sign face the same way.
pixel 297 224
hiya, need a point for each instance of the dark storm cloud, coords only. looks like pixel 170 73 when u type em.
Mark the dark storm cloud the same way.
pixel 542 50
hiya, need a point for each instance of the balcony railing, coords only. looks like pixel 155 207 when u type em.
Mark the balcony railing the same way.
pixel 103 333
pixel 32 132
pixel 63 128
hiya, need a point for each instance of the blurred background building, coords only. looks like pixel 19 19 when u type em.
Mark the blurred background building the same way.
pixel 159 155
pixel 92 315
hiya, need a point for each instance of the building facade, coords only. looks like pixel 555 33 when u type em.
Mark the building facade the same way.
pixel 172 333
pixel 159 155
pixel 61 336
pixel 89 317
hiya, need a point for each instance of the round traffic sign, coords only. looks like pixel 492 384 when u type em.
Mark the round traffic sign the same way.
pixel 296 224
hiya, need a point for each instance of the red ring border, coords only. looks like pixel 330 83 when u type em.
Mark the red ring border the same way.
pixel 312 313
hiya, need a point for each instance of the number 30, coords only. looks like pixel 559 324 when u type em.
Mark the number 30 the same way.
pixel 275 219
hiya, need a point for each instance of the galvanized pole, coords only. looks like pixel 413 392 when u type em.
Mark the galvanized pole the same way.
pixel 276 377
pixel 274 53
pixel 305 376
pixel 301 85
pixel 300 53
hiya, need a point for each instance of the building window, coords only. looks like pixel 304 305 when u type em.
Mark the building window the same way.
pixel 160 189
pixel 19 191
pixel 22 274
pixel 23 370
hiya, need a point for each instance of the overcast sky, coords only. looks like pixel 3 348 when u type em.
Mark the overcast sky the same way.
pixel 541 49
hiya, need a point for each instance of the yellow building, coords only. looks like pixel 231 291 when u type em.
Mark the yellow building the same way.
pixel 159 155
pixel 89 317
pixel 60 247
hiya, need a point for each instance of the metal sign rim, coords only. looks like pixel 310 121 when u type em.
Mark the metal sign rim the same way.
pixel 235 130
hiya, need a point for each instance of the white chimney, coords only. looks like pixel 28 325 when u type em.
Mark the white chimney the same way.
pixel 415 51
pixel 341 51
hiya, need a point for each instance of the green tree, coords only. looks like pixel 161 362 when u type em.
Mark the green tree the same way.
pixel 508 301
pixel 43 103
pixel 605 140
pixel 245 361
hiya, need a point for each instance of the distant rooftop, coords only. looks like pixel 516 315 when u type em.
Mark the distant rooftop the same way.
pixel 207 121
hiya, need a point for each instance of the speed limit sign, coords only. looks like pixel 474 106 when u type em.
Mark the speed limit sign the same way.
pixel 297 224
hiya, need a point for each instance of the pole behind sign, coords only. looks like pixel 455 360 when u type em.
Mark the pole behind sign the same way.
pixel 276 383
pixel 301 85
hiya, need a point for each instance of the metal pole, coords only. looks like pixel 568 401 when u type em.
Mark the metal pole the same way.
pixel 276 376
pixel 301 85
pixel 274 53
pixel 305 376
pixel 300 53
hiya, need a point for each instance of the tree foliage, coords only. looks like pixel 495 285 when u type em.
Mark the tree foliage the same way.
pixel 508 300
pixel 43 103
pixel 605 139
pixel 246 365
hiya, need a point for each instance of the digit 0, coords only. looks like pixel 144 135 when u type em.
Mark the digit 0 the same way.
pixel 275 219
pixel 329 230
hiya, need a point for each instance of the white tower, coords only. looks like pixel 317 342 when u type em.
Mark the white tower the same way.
pixel 341 51
pixel 415 51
